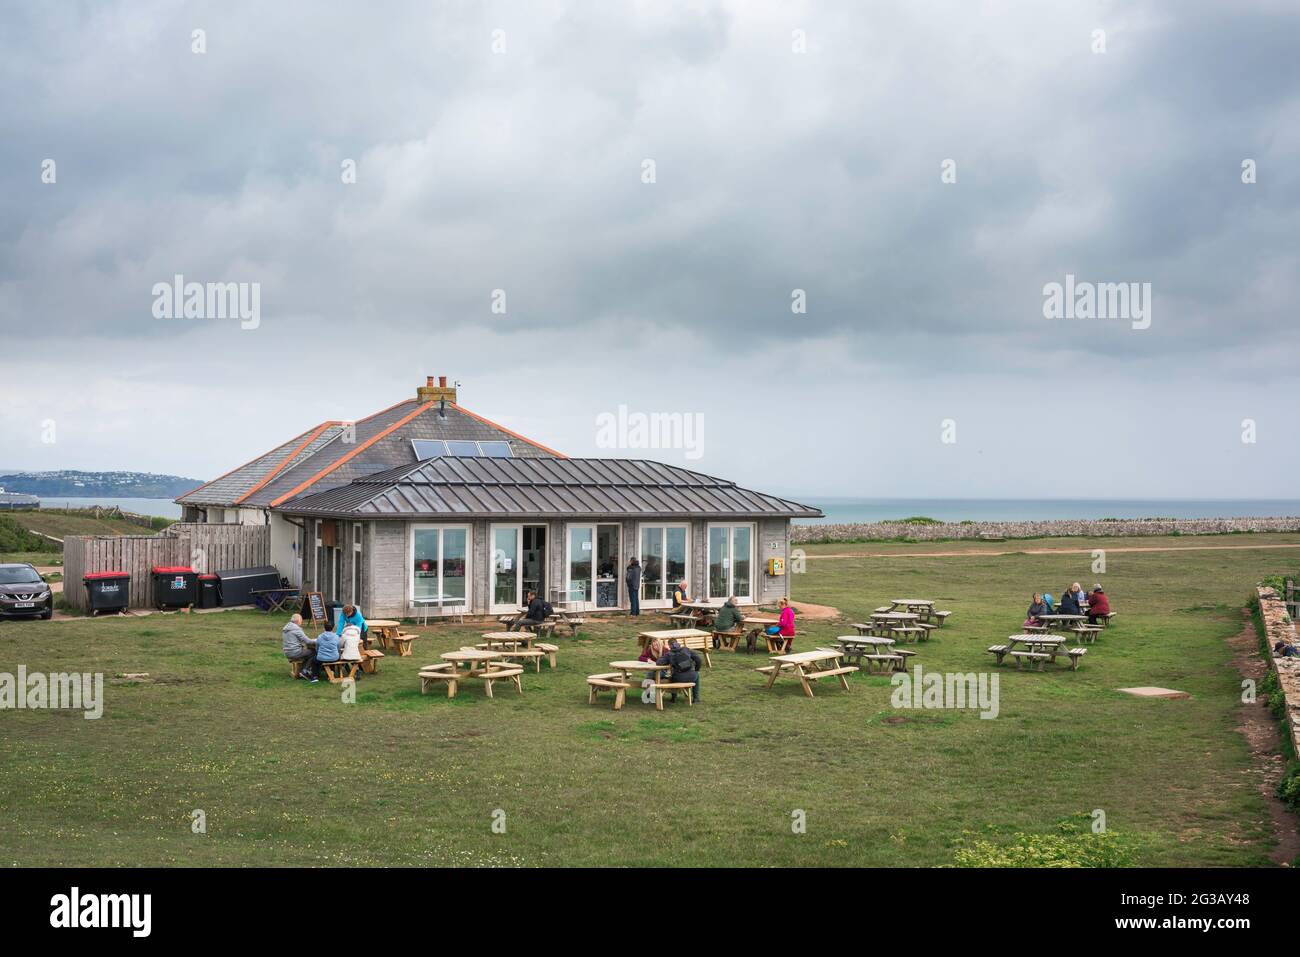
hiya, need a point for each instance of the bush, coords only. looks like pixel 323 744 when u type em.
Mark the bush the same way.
pixel 1288 789
pixel 1086 849
pixel 15 538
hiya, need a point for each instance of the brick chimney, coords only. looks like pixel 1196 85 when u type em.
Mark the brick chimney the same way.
pixel 432 393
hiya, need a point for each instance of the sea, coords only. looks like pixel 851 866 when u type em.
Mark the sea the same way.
pixel 858 510
pixel 163 507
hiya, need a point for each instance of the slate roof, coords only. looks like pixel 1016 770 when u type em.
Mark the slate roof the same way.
pixel 452 487
pixel 324 458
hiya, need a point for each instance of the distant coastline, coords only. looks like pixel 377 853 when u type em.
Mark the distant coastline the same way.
pixel 854 511
pixel 1001 531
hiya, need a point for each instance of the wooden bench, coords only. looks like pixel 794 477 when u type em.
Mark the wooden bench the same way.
pixel 339 671
pixel 403 644
pixel 612 682
pixel 1087 632
pixel 1031 656
pixel 940 616
pixel 440 672
pixel 682 621
pixel 1034 629
pixel 295 666
pixel 535 655
pixel 551 650
pixel 674 686
pixel 883 610
pixel 1000 651
pixel 906 630
pixel 370 660
pixel 886 662
pixel 700 644
pixel 1107 617
pixel 1075 654
pixel 727 640
pixel 509 673
pixel 572 624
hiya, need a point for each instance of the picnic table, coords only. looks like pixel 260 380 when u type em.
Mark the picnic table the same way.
pixel 917 605
pixel 384 629
pixel 875 651
pixel 668 634
pixel 275 599
pixel 807 666
pixel 478 663
pixel 756 625
pixel 700 612
pixel 509 639
pixel 1061 621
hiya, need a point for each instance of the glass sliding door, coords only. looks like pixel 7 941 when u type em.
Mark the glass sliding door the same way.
pixel 440 566
pixel 506 571
pixel 663 562
pixel 607 566
pixel 581 584
pixel 731 562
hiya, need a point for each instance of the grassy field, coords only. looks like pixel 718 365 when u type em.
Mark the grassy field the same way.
pixel 286 773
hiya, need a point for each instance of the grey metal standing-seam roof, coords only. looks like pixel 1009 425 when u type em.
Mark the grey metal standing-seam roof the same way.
pixel 459 487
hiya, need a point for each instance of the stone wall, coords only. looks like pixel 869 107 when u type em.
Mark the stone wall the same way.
pixel 1279 627
pixel 883 531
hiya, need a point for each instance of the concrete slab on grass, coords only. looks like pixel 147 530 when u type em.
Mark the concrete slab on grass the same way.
pixel 1148 692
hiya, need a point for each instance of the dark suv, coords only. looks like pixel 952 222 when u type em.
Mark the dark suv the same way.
pixel 24 592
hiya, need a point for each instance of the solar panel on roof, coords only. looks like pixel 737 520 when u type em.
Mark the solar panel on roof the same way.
pixel 462 447
pixel 428 448
pixel 497 450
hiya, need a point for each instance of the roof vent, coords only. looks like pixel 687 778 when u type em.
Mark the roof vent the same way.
pixel 431 393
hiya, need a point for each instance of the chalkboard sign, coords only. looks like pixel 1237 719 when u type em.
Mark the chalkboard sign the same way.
pixel 314 605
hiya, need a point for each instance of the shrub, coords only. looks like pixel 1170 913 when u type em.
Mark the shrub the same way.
pixel 1086 849
pixel 1288 789
pixel 15 538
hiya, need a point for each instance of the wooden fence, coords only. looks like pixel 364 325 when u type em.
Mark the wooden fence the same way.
pixel 207 548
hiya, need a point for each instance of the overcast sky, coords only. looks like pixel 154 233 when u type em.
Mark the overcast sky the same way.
pixel 795 146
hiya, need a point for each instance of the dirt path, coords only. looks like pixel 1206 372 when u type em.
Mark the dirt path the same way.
pixel 1261 733
pixel 816 612
pixel 1046 551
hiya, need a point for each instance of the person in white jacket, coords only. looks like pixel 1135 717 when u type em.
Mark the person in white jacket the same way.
pixel 350 645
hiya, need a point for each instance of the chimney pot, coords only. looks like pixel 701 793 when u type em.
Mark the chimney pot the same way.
pixel 428 380
pixel 442 382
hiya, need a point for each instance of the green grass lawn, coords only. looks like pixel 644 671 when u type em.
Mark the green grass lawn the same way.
pixel 287 773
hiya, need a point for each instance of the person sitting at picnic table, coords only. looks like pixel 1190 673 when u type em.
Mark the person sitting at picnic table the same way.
pixel 1098 604
pixel 728 621
pixel 680 597
pixel 537 613
pixel 298 647
pixel 327 647
pixel 1069 603
pixel 1050 602
pixel 685 665
pixel 785 625
pixel 1036 607
pixel 350 645
pixel 352 616
pixel 653 649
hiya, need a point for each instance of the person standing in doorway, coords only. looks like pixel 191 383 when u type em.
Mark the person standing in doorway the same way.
pixel 633 578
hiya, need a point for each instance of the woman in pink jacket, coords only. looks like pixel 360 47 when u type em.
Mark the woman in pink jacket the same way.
pixel 785 626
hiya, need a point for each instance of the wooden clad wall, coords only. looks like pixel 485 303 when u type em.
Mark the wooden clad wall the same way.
pixel 207 548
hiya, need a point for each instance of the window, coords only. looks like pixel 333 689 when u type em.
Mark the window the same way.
pixel 730 562
pixel 440 566
pixel 663 562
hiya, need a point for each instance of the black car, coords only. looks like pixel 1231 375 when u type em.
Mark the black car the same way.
pixel 23 592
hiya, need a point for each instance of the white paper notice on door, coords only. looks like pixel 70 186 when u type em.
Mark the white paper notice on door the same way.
pixel 586 546
pixel 726 563
pixel 505 565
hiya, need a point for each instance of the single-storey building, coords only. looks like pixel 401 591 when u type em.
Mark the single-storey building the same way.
pixel 428 507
